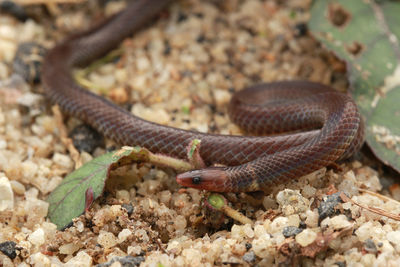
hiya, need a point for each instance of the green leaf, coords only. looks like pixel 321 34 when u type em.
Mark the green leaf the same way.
pixel 79 189
pixel 366 34
pixel 186 110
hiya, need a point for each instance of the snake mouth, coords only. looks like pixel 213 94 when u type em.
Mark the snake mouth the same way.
pixel 211 179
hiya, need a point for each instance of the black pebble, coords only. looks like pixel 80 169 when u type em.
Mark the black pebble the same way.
pixel 8 249
pixel 300 29
pixel 86 138
pixel 28 61
pixel 128 207
pixel 182 17
pixel 128 261
pixel 201 38
pixel 167 48
pixel 341 263
pixel 289 231
pixel 370 246
pixel 327 207
pixel 13 9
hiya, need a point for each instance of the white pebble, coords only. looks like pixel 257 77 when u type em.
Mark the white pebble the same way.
pixel 82 259
pixel 155 115
pixel 134 250
pixel 278 224
pixel 180 222
pixel 79 226
pixel 337 222
pixel 17 187
pixel 142 235
pixel 37 237
pixel 107 239
pixel 29 99
pixel 364 231
pixel 222 97
pixel 123 235
pixel 38 259
pixel 3 144
pixel 68 249
pixel 306 237
pixel 248 231
pixel 63 160
pixel 36 207
pixel 123 195
pixel 6 194
pixel 29 170
pixel 312 218
pixel 291 201
pixel 394 237
pixel 261 246
pixel 259 230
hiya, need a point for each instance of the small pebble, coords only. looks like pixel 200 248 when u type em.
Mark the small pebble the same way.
pixel 128 261
pixel 39 259
pixel 278 224
pixel 68 249
pixel 63 160
pixel 289 231
pixel 6 194
pixel 37 238
pixel 28 60
pixel 17 187
pixel 107 239
pixel 248 246
pixel 394 237
pixel 81 259
pixel 337 222
pixel 291 201
pixel 159 116
pixel 85 138
pixel 123 235
pixel 327 206
pixel 123 195
pixel 370 246
pixel 128 207
pixel 300 29
pixel 341 263
pixel 306 237
pixel 119 95
pixel 8 249
pixel 13 9
pixel 249 257
pixel 222 97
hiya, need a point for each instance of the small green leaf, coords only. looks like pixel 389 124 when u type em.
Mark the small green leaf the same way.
pixel 186 110
pixel 366 34
pixel 293 14
pixel 79 189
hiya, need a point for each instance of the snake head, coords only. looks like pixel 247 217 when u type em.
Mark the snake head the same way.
pixel 211 179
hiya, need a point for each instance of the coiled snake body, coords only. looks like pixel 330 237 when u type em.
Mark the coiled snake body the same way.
pixel 331 124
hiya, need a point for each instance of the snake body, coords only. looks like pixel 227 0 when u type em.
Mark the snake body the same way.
pixel 331 125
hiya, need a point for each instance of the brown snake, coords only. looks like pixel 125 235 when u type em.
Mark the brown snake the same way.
pixel 331 124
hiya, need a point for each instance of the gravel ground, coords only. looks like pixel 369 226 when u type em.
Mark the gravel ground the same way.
pixel 181 71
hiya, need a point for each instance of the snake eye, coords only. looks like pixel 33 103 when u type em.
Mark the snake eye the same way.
pixel 196 180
